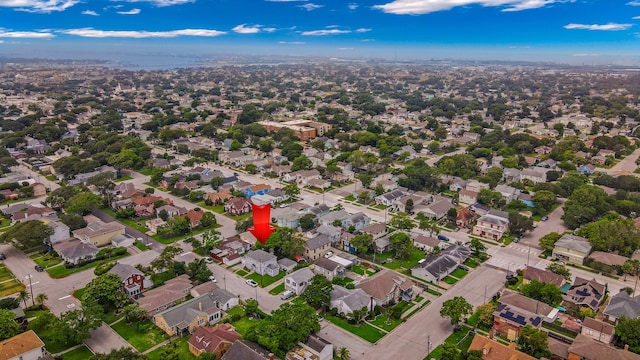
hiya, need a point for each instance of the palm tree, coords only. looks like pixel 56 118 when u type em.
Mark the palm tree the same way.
pixel 23 296
pixel 344 354
pixel 41 299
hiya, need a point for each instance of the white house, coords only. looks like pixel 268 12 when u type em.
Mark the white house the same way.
pixel 298 280
pixel 261 262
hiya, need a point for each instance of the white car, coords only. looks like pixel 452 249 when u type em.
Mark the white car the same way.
pixel 287 294
pixel 328 254
pixel 213 278
pixel 208 260
pixel 252 283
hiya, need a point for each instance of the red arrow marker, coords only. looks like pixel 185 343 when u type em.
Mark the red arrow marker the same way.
pixel 261 219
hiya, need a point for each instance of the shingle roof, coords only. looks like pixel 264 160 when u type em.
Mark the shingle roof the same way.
pixel 246 350
pixel 260 256
pixel 124 271
pixel 318 241
pixel 545 276
pixel 588 348
pixel 574 242
pixel 622 304
pixel 189 310
pixel 19 344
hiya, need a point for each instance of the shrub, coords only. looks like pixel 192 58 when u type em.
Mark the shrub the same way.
pixel 103 268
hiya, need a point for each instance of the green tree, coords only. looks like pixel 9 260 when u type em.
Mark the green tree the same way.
pixel 408 206
pixel 120 354
pixel 612 233
pixel 23 296
pixel 546 293
pixel 344 354
pixel 133 312
pixel 74 326
pixel 289 324
pixel 103 183
pixel 41 299
pixel 284 242
pixel 58 197
pixel 308 222
pixel 362 242
pixel 585 204
pixel 544 201
pixel 198 271
pixel 8 326
pixel 628 330
pixel 292 190
pixel 519 224
pixel 82 203
pixel 103 290
pixel 440 133
pixel 401 221
pixel 450 351
pixel 165 261
pixel 486 314
pixel 477 245
pixel 318 292
pixel 560 270
pixel 456 309
pixel 534 342
pixel 402 244
pixel 364 197
pixel 548 242
pixel 301 163
pixel 491 198
pixel 73 221
pixel 27 234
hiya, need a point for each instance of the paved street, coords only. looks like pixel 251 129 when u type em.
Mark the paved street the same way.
pixel 626 164
pixel 554 224
pixel 410 338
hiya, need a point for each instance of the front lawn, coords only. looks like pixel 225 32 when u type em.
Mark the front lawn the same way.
pixel 471 263
pixel 46 260
pixel 459 273
pixel 141 246
pixel 360 270
pixel 407 263
pixel 81 353
pixel 364 331
pixel 386 323
pixel 123 178
pixel 277 290
pixel 449 280
pixel 266 280
pixel 11 287
pixel 242 272
pixel 182 349
pixel 61 271
pixel 48 337
pixel 141 336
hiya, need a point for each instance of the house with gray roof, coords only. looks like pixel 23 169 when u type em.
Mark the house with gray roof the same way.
pixel 287 265
pixel 438 209
pixel 318 210
pixel 437 267
pixel 317 246
pixel 186 317
pixel 571 248
pixel 74 250
pixel 333 216
pixel 224 299
pixel 345 301
pixel 387 286
pixel 584 293
pixel 298 280
pixel 328 268
pixel 133 281
pixel 492 225
pixel 163 297
pixel 387 199
pixel 358 220
pixel 247 350
pixel 508 193
pixel 622 304
pixel 331 231
pixel 261 262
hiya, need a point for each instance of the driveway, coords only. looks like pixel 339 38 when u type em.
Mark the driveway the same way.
pixel 104 339
pixel 553 224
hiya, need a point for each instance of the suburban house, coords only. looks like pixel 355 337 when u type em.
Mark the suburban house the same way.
pixel 33 212
pixel 261 262
pixel 123 240
pixel 376 230
pixel 315 348
pixel 331 231
pixel 515 311
pixel 508 193
pixel 387 286
pixel 287 265
pixel 328 268
pixel 329 219
pixel 134 281
pixel 587 169
pixel 492 225
pixel 216 340
pixel 494 350
pixel 316 247
pixel 389 198
pixel 24 346
pixel 247 350
pixel 437 267
pixel 217 198
pixel 584 293
pixel 258 189
pixel 584 347
pixel 60 232
pixel 622 304
pixel 345 301
pixel 571 248
pixel 165 296
pixel 99 233
pixel 544 276
pixel 465 217
pixel 237 206
pixel 230 250
pixel 598 330
pixel 188 316
pixel 438 209
pixel 74 250
pixel 170 211
pixel 607 258
pixel 425 243
pixel 358 220
pixel 536 175
pixel 298 280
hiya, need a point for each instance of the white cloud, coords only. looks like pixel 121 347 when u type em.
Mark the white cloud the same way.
pixel 333 26
pixel 39 6
pixel 161 3
pixel 325 32
pixel 269 30
pixel 601 27
pixel 368 40
pixel 130 12
pixel 310 6
pixel 634 3
pixel 90 12
pixel 1 41
pixel 636 18
pixel 362 30
pixel 585 54
pixel 345 48
pixel 92 33
pixel 242 29
pixel 25 34
pixel 416 7
pixel 291 42
pixel 352 6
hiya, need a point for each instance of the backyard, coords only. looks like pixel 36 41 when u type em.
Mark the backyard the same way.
pixel 182 347
pixel 142 336
pixel 81 353
pixel 60 271
pixel 266 280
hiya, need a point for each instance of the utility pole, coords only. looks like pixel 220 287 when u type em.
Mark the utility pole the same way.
pixel 31 291
pixel 485 294
pixel 428 345
pixel 224 278
pixel 528 254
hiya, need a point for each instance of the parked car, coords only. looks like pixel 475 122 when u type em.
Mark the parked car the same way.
pixel 443 238
pixel 213 278
pixel 328 254
pixel 544 218
pixel 208 260
pixel 2 256
pixel 252 283
pixel 39 268
pixel 287 294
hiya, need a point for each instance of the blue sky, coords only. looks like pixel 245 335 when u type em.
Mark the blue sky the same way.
pixel 577 31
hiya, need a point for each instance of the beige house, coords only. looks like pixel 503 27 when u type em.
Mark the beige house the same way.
pixel 186 317
pixel 491 226
pixel 25 346
pixel 99 233
pixel 598 330
pixel 571 248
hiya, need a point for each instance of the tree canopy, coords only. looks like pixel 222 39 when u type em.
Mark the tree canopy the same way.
pixel 456 309
pixel 27 234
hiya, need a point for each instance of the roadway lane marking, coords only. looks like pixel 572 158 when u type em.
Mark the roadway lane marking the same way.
pixel 34 283
pixel 64 297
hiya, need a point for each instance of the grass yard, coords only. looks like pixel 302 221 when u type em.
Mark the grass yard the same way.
pixel 123 178
pixel 389 324
pixel 242 272
pixel 459 273
pixel 47 336
pixel 364 331
pixel 141 246
pixel 60 271
pixel 360 270
pixel 277 290
pixel 5 277
pixel 143 336
pixel 46 260
pixel 464 344
pixel 471 263
pixel 11 287
pixel 449 280
pixel 266 280
pixel 243 325
pixel 407 263
pixel 81 353
pixel 239 217
pixel 182 347
pixel 433 292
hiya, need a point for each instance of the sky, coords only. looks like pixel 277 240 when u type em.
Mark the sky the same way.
pixel 567 31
